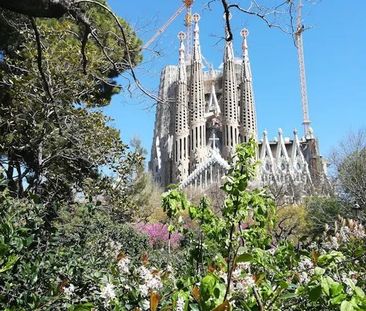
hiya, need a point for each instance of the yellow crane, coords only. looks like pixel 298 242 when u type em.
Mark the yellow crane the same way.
pixel 187 21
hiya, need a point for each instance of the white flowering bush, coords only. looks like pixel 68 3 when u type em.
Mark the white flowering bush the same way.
pixel 230 261
pixel 236 264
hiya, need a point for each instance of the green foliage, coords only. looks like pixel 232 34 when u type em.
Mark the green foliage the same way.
pixel 351 172
pixel 54 142
pixel 238 264
pixel 80 257
pixel 42 260
pixel 324 210
pixel 293 223
pixel 144 194
pixel 349 164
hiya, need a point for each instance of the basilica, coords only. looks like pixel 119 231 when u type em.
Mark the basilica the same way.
pixel 204 113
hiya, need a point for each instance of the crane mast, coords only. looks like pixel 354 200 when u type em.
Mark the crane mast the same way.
pixel 300 54
pixel 188 22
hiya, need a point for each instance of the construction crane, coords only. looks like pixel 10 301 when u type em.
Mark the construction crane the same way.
pixel 186 6
pixel 300 54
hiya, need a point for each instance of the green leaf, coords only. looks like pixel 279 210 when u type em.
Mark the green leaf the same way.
pixel 319 271
pixel 208 284
pixel 241 250
pixel 284 284
pixel 3 249
pixel 82 307
pixel 10 263
pixel 315 293
pixel 336 289
pixel 346 306
pixel 359 292
pixel 325 285
pixel 338 299
pixel 244 258
pixel 289 296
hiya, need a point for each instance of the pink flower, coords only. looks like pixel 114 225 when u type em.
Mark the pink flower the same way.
pixel 158 234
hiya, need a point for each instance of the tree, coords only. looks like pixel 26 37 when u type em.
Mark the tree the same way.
pixel 145 194
pixel 349 161
pixel 54 141
pixel 323 211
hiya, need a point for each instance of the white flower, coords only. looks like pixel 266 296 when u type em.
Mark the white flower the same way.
pixel 240 287
pixel 313 245
pixel 304 278
pixel 344 277
pixel 126 286
pixel 151 281
pixel 249 281
pixel 236 273
pixel 144 289
pixel 123 265
pixel 154 283
pixel 332 244
pixel 145 273
pixel 305 264
pixel 113 249
pixel 244 285
pixel 244 265
pixel 358 231
pixel 345 233
pixel 180 304
pixel 69 290
pixel 108 292
pixel 146 304
pixel 353 276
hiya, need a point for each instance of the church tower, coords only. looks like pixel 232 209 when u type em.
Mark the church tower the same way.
pixel 197 102
pixel 219 104
pixel 248 118
pixel 230 118
pixel 181 133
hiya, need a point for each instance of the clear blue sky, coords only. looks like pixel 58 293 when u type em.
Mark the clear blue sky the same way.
pixel 335 58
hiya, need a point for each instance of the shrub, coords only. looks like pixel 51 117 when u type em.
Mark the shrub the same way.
pixel 61 261
pixel 159 235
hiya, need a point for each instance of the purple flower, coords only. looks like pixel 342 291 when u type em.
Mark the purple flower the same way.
pixel 158 234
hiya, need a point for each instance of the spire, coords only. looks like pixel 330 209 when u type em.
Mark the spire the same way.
pixel 182 75
pixel 196 39
pixel 229 51
pixel 247 73
pixel 248 118
pixel 230 102
pixel 197 102
pixel 181 117
pixel 213 104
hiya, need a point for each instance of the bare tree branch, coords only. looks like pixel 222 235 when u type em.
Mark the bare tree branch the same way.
pixel 124 37
pixel 260 11
pixel 39 59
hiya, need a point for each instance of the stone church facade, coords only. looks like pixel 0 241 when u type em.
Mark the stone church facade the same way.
pixel 203 115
